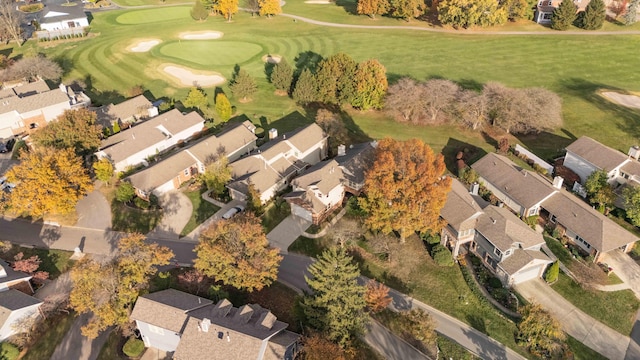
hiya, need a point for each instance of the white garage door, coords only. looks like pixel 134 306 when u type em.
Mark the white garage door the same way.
pixel 164 188
pixel 301 212
pixel 526 274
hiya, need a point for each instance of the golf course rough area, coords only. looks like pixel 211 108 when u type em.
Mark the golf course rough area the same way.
pixel 186 77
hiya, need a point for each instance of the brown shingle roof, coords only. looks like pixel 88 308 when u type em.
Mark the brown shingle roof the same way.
pixel 592 226
pixel 525 187
pixel 162 172
pixel 521 258
pixel 504 229
pixel 33 102
pixel 278 345
pixel 148 133
pixel 461 209
pixel 325 175
pixel 356 161
pixel 599 155
pixel 632 167
pixel 25 89
pixel 167 308
pixel 124 110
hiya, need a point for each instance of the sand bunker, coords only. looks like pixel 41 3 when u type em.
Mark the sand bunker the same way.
pixel 319 2
pixel 632 101
pixel 188 77
pixel 143 45
pixel 201 35
pixel 272 58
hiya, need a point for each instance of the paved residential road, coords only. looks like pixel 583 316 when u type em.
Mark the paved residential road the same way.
pixel 292 272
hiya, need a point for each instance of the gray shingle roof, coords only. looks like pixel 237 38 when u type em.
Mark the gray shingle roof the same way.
pixel 525 187
pixel 63 13
pixel 592 226
pixel 504 229
pixel 123 111
pixel 147 133
pixel 33 102
pixel 597 154
pixel 12 300
pixel 461 209
pixel 356 161
pixel 27 89
pixel 325 175
pixel 521 258
pixel 167 309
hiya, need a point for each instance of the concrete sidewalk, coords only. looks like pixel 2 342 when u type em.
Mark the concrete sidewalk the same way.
pixel 576 323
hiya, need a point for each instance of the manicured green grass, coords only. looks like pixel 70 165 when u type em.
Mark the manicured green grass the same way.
pixel 109 350
pixel 615 309
pixel 273 215
pixel 149 2
pixel 309 247
pixel 210 52
pixel 613 279
pixel 559 250
pixel 127 219
pixel 452 350
pixel 581 351
pixel 53 330
pixel 565 64
pixel 55 262
pixel 202 210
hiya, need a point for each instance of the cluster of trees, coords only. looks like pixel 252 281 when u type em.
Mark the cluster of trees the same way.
pixel 439 101
pixel 228 8
pixel 405 188
pixel 483 13
pixel 51 178
pixel 403 9
pixel 335 80
pixel 592 18
pixel 30 69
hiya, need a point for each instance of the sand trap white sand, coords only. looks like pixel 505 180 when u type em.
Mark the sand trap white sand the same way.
pixel 188 77
pixel 632 101
pixel 144 45
pixel 318 2
pixel 201 35
pixel 272 58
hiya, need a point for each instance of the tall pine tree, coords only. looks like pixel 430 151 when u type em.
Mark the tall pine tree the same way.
pixel 282 76
pixel 243 85
pixel 305 90
pixel 337 303
pixel 594 15
pixel 564 15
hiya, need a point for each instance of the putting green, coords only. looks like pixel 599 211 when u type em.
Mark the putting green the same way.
pixel 210 52
pixel 148 16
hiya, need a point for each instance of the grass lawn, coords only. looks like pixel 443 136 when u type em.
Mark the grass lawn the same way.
pixel 452 350
pixel 569 65
pixel 124 218
pixel 559 250
pixel 110 349
pixel 202 210
pixel 310 247
pixel 149 2
pixel 581 351
pixel 273 215
pixel 54 329
pixel 615 309
pixel 55 262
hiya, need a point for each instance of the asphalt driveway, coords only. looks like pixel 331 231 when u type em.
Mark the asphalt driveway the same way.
pixel 287 232
pixel 576 323
pixel 94 211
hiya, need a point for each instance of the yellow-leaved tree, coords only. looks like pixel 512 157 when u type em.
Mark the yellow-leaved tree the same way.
pixel 48 181
pixel 269 7
pixel 404 189
pixel 228 8
pixel 108 289
pixel 237 253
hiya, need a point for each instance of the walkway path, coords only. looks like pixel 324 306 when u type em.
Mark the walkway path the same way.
pixel 326 229
pixel 78 347
pixel 576 323
pixel 176 212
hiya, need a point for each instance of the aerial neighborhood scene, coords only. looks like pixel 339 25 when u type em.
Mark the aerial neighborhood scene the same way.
pixel 319 179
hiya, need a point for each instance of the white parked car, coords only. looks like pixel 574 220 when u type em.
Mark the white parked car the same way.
pixel 231 212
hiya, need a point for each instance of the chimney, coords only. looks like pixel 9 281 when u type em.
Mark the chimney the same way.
pixel 342 150
pixel 228 337
pixel 204 325
pixel 634 152
pixel 474 188
pixel 557 182
pixel 284 136
pixel 273 133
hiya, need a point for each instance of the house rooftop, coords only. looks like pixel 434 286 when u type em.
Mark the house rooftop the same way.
pixel 356 161
pixel 54 12
pixel 598 230
pixel 461 209
pixel 109 113
pixel 525 187
pixel 505 230
pixel 33 102
pixel 167 308
pixel 601 156
pixel 12 300
pixel 324 176
pixel 7 274
pixel 27 89
pixel 148 133
pixel 521 258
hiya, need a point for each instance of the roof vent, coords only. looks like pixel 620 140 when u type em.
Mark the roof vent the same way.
pixel 493 220
pixel 204 325
pixel 342 150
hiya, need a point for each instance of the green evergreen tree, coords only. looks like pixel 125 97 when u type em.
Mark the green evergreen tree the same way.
pixel 630 16
pixel 223 106
pixel 336 304
pixel 564 15
pixel 552 272
pixel 594 15
pixel 282 76
pixel 305 90
pixel 243 85
pixel 199 12
pixel 334 79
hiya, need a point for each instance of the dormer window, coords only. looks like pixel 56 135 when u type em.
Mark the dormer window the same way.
pixel 497 251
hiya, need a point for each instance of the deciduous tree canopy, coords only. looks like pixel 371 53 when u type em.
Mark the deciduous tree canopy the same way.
pixel 269 7
pixel 48 181
pixel 109 288
pixel 372 7
pixel 335 79
pixel 631 197
pixel 405 189
pixel 237 253
pixel 74 129
pixel 336 304
pixel 223 106
pixel 407 9
pixel 33 68
pixel 195 99
pixel 598 190
pixel 540 333
pixel 103 169
pixel 228 8
pixel 465 14
pixel 370 85
pixel 305 89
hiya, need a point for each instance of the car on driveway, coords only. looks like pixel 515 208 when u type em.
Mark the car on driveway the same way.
pixel 231 212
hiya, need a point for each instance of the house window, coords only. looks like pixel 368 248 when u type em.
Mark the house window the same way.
pixel 186 172
pixel 533 211
pixel 581 240
pixel 497 251
pixel 553 219
pixel 156 330
pixel 625 175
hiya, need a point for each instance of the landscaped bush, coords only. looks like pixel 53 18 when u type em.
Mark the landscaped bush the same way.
pixel 431 239
pixel 441 255
pixel 141 203
pixel 31 7
pixel 133 347
pixel 8 351
pixel 494 282
pixel 552 273
pixel 125 192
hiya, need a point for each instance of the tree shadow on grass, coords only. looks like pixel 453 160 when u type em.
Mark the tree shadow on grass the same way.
pixel 471 153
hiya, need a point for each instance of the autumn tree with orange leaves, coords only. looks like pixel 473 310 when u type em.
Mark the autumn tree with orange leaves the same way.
pixel 377 296
pixel 237 253
pixel 108 289
pixel 405 189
